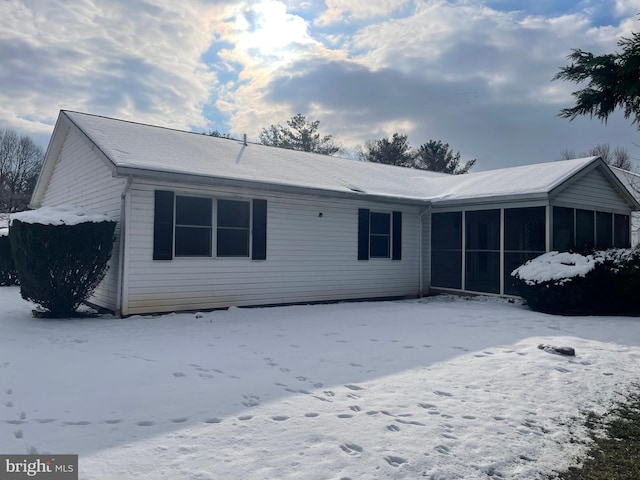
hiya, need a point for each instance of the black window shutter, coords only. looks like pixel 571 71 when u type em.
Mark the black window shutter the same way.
pixel 363 234
pixel 163 225
pixel 259 232
pixel 397 236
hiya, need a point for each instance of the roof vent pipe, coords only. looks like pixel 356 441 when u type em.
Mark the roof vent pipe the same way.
pixel 245 140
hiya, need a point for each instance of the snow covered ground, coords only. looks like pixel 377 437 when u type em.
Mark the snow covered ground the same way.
pixel 436 388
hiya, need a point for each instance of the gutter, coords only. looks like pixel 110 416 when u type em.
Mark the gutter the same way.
pixel 191 179
pixel 421 252
pixel 123 204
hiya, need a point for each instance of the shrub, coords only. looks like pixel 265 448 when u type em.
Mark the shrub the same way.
pixel 604 282
pixel 8 274
pixel 61 256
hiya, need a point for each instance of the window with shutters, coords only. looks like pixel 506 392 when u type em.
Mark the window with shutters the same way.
pixel 184 226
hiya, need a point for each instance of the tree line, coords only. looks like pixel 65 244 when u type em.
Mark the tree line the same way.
pixel 301 134
pixel 20 162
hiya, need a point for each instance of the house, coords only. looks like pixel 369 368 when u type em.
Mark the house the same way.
pixel 206 222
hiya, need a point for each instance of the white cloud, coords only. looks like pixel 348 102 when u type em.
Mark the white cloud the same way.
pixel 136 60
pixel 341 10
pixel 627 7
pixel 265 40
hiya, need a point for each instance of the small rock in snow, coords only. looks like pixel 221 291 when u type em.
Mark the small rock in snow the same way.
pixel 569 351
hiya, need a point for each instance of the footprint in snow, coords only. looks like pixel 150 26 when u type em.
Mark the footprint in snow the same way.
pixel 280 418
pixel 345 415
pixel 354 387
pixel 351 448
pixel 112 421
pixel 179 420
pixel 410 422
pixel 355 408
pixel 144 423
pixel 440 393
pixel 45 420
pixel 17 434
pixel 394 461
pixel 443 449
pixel 212 420
pixel 179 374
pixel 393 428
pixel 251 400
pixel 244 418
pixel 311 415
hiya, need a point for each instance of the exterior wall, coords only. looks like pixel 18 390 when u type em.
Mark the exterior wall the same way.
pixel 82 178
pixel 592 192
pixel 309 258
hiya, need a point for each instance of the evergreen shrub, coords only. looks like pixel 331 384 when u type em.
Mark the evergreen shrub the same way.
pixel 601 283
pixel 8 274
pixel 60 265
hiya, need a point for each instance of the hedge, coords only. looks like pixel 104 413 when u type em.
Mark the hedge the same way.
pixel 603 282
pixel 8 273
pixel 59 266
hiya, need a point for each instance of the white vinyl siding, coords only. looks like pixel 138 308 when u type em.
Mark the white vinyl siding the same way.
pixel 310 257
pixel 594 191
pixel 81 178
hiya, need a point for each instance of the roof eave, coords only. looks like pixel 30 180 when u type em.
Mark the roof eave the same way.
pixel 206 180
pixel 493 200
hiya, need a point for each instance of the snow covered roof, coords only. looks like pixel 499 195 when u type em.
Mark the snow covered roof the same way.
pixel 139 149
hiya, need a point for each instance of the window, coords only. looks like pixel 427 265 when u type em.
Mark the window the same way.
pixel 193 227
pixel 379 235
pixel 182 226
pixel 585 230
pixel 446 250
pixel 524 239
pixel 563 234
pixel 604 230
pixel 482 257
pixel 234 218
pixel 621 231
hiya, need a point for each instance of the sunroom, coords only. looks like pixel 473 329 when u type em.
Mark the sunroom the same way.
pixel 484 227
pixel 476 250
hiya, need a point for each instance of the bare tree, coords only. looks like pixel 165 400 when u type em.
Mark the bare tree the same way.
pixel 20 162
pixel 621 159
pixel 618 157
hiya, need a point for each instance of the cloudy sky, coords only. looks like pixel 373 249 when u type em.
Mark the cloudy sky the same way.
pixel 473 73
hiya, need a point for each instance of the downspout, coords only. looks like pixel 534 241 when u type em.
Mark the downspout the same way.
pixel 123 209
pixel 421 250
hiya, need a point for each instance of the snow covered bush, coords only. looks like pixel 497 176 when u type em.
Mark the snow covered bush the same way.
pixel 8 274
pixel 61 255
pixel 604 282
